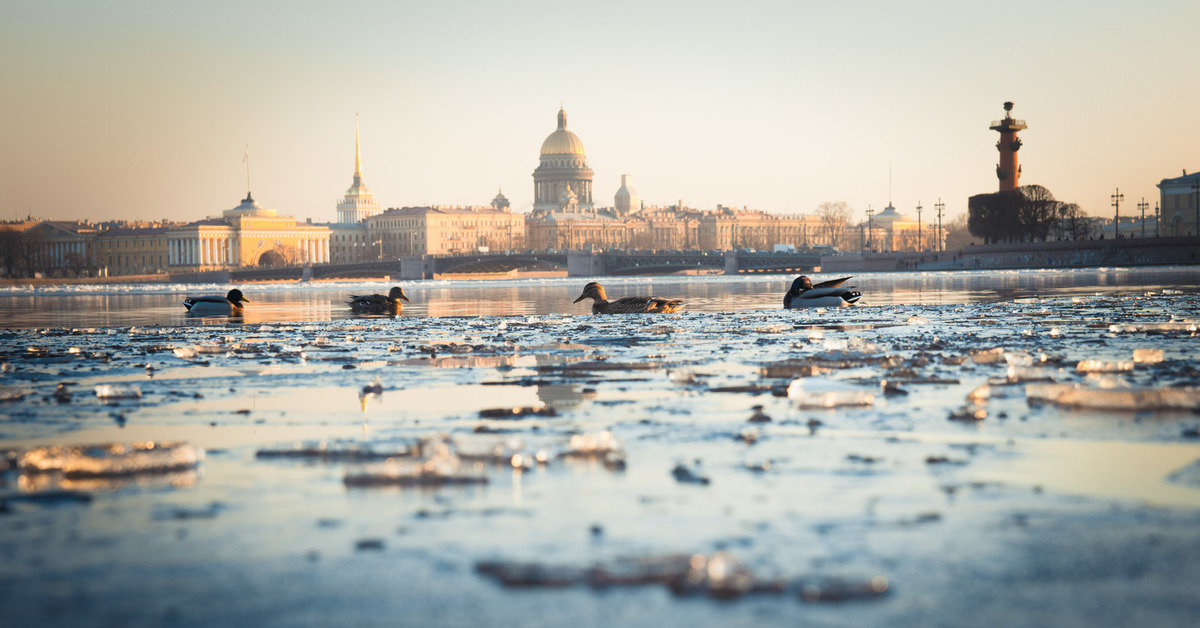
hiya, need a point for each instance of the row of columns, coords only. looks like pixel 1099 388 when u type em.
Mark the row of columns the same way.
pixel 223 252
pixel 202 252
pixel 58 252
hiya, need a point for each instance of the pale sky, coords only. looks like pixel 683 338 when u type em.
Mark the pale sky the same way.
pixel 142 110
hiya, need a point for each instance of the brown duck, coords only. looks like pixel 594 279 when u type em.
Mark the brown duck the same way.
pixel 627 305
pixel 378 303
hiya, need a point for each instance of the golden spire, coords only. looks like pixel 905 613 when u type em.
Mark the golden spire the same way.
pixel 357 154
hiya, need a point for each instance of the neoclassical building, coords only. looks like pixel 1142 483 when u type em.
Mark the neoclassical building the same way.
pixel 562 171
pixel 1180 205
pixel 444 230
pixel 247 235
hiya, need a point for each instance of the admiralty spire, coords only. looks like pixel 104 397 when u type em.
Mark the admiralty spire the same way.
pixel 358 203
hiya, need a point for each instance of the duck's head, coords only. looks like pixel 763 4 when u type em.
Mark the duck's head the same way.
pixel 801 284
pixel 397 293
pixel 593 291
pixel 235 296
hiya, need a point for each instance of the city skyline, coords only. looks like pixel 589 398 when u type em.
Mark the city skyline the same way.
pixel 134 110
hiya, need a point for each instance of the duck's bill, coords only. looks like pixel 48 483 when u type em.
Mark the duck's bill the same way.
pixel 581 297
pixel 405 298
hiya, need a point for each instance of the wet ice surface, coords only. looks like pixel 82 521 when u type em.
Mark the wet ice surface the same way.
pixel 1032 460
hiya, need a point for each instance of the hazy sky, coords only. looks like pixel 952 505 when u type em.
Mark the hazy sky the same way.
pixel 142 110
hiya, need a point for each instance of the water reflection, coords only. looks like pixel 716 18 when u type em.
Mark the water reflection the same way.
pixel 158 304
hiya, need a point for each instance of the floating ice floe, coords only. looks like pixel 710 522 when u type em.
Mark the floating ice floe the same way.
pixel 13 393
pixel 352 452
pixel 1100 366
pixel 989 356
pixel 113 391
pixel 1135 399
pixel 718 575
pixel 812 392
pixel 1147 356
pixel 112 459
pixel 440 469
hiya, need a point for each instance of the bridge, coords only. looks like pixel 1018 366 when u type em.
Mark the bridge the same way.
pixel 575 263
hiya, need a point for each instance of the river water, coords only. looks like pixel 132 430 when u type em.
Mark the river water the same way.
pixel 160 304
pixel 969 448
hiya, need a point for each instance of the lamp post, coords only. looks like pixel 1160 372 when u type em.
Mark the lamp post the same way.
pixel 1157 221
pixel 920 241
pixel 1142 206
pixel 1117 197
pixel 870 228
pixel 939 206
pixel 380 243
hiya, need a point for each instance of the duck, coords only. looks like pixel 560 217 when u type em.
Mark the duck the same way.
pixel 627 305
pixel 378 303
pixel 804 293
pixel 228 305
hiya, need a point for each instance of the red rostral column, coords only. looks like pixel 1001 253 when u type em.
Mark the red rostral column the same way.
pixel 1007 170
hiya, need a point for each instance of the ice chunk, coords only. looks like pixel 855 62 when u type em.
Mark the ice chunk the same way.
pixel 112 459
pixel 1147 356
pixel 838 590
pixel 112 391
pixel 1135 399
pixel 917 320
pixel 1018 358
pixel 13 393
pixel 811 392
pixel 1100 366
pixel 185 353
pixel 989 356
pixel 440 469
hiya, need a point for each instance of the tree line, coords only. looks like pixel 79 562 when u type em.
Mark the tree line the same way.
pixel 1026 214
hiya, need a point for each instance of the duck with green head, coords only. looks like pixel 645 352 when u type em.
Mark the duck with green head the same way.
pixel 215 305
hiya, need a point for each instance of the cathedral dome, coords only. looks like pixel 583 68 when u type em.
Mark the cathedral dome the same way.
pixel 562 141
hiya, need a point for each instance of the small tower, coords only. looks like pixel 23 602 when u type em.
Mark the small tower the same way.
pixel 358 203
pixel 1007 171
pixel 626 200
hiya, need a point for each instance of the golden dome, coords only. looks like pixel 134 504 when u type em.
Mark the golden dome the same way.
pixel 562 141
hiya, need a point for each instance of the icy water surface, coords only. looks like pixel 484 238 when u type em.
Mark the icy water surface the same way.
pixel 1023 455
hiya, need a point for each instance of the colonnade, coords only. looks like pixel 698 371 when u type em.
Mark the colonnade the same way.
pixel 57 253
pixel 223 251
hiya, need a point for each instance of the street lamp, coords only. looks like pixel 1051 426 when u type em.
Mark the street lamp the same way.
pixel 1117 197
pixel 1142 206
pixel 920 242
pixel 1157 221
pixel 870 228
pixel 939 206
pixel 380 243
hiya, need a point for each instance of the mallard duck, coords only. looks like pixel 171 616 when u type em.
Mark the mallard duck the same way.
pixel 627 305
pixel 230 304
pixel 377 303
pixel 804 293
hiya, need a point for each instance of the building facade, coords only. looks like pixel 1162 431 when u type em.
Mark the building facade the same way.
pixel 247 235
pixel 444 230
pixel 134 250
pixel 1179 205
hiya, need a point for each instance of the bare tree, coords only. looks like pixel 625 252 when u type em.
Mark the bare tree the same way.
pixel 834 215
pixel 957 234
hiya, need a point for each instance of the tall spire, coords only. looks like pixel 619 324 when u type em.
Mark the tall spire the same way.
pixel 357 154
pixel 562 117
